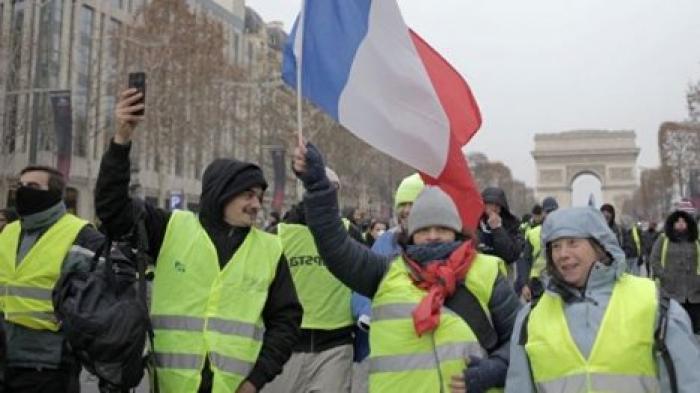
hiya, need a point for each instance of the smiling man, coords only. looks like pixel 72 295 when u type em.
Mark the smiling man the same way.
pixel 597 328
pixel 224 308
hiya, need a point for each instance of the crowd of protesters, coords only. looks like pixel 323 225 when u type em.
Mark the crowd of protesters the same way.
pixel 324 300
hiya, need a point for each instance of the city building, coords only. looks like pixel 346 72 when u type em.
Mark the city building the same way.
pixel 75 48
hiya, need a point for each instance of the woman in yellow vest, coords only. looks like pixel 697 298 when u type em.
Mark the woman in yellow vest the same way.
pixel 419 343
pixel 597 328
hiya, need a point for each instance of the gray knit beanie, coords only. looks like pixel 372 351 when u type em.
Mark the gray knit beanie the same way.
pixel 434 207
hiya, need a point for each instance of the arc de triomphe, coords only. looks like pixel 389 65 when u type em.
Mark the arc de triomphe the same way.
pixel 610 156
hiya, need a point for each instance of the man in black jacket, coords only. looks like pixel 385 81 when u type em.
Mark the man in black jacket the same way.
pixel 230 201
pixel 499 230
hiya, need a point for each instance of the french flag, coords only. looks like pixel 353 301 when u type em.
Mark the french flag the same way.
pixel 362 65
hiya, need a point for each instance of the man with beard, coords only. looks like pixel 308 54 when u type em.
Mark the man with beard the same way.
pixel 34 251
pixel 224 308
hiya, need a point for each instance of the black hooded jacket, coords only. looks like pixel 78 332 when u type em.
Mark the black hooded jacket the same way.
pixel 507 241
pixel 282 312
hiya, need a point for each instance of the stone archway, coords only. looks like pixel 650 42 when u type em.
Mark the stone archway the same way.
pixel 611 156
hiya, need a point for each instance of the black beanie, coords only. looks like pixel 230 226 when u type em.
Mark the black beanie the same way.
pixel 246 179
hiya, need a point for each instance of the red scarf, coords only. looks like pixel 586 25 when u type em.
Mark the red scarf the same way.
pixel 440 279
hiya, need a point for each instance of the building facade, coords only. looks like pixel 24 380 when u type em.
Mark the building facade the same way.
pixel 49 46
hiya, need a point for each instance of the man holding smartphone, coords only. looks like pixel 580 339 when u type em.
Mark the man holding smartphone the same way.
pixel 224 308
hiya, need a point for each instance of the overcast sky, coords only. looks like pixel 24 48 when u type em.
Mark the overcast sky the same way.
pixel 555 65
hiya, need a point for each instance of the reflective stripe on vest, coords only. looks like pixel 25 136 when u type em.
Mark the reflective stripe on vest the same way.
pixel 26 287
pixel 400 360
pixel 622 356
pixel 200 310
pixel 637 240
pixel 539 262
pixel 325 300
pixel 600 383
pixel 664 251
pixel 425 361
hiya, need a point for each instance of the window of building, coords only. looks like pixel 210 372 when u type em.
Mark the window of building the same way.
pixel 11 200
pixel 2 12
pixel 179 159
pixel 110 68
pixel 9 140
pixel 16 32
pixel 71 200
pixel 119 4
pixel 48 64
pixel 46 76
pixel 236 47
pixel 81 94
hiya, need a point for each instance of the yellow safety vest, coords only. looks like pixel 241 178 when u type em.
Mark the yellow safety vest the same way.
pixel 199 310
pixel 25 288
pixel 400 360
pixel 539 262
pixel 326 301
pixel 622 357
pixel 664 251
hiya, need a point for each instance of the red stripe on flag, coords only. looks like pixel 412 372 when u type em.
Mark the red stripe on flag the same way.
pixel 465 119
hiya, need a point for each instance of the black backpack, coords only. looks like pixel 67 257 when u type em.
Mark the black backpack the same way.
pixel 103 314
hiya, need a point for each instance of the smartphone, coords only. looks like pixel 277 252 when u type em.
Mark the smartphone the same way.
pixel 137 80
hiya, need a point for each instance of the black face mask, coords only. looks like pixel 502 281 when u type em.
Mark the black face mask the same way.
pixel 31 201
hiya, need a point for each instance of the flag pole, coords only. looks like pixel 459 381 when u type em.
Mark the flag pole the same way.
pixel 299 47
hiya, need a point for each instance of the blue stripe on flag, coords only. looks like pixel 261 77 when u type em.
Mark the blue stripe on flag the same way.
pixel 333 31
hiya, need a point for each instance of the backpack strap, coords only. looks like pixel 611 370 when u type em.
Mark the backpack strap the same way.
pixel 523 335
pixel 142 261
pixel 660 341
pixel 467 306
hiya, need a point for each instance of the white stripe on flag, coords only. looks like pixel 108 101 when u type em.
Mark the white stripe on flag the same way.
pixel 389 100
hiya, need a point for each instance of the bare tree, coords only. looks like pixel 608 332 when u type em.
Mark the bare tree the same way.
pixel 679 146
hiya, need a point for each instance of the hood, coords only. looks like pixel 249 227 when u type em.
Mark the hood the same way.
pixel 692 226
pixel 223 179
pixel 582 222
pixel 610 209
pixel 497 196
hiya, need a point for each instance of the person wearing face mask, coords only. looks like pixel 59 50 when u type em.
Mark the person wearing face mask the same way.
pixel 597 328
pixel 45 242
pixel 675 258
pixel 419 342
pixel 224 308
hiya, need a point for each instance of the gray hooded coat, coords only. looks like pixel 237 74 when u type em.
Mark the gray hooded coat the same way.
pixel 584 309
